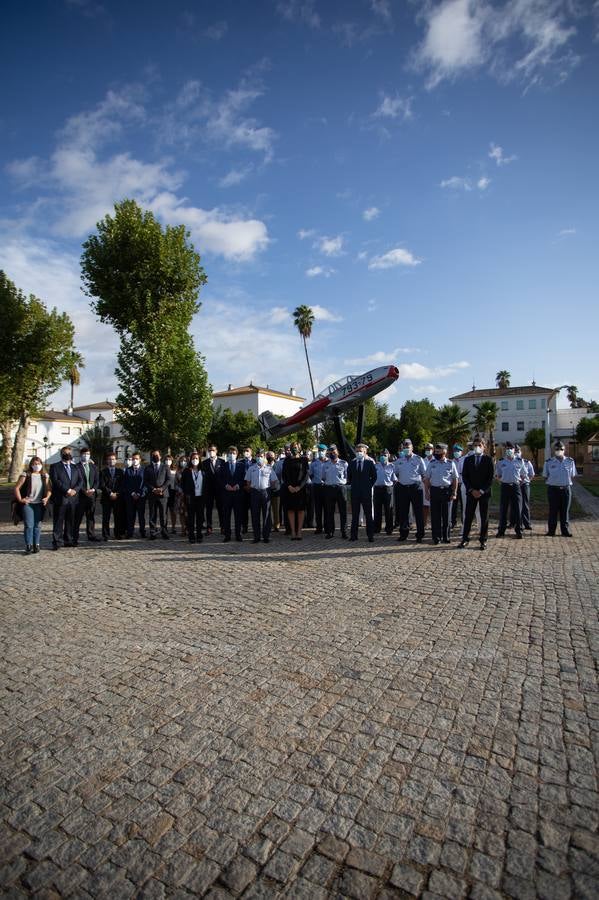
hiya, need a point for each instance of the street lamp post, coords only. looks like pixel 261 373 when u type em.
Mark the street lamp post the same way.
pixel 100 422
pixel 548 426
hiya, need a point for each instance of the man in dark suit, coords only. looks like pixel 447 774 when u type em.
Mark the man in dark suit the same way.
pixel 361 477
pixel 134 493
pixel 156 478
pixel 477 478
pixel 212 487
pixel 111 484
pixel 86 501
pixel 232 480
pixel 66 479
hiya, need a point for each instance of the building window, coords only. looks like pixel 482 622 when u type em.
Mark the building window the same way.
pixel 505 426
pixel 532 404
pixel 519 404
pixel 520 426
pixel 595 452
pixel 505 404
pixel 542 403
pixel 76 431
pixel 65 429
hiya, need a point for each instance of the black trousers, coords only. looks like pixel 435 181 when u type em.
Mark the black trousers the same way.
pixel 440 500
pixel 525 491
pixel 335 496
pixel 63 520
pixel 396 505
pixel 309 520
pixel 232 501
pixel 361 501
pixel 318 496
pixel 483 505
pixel 559 507
pixel 157 512
pixel 195 517
pixel 114 509
pixel 457 503
pixel 245 510
pixel 261 513
pixel 213 498
pixel 136 509
pixel 86 506
pixel 510 504
pixel 411 494
pixel 383 498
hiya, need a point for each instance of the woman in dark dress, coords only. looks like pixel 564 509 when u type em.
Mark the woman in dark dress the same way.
pixel 295 476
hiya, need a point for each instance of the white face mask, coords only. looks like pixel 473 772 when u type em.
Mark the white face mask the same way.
pixel 509 454
pixel 195 461
pixel 559 454
pixel 322 454
pixel 168 462
pixel 212 454
pixel 428 452
pixel 478 450
pixel 36 468
pixel 457 454
pixel 231 457
pixel 129 462
pixel 359 454
pixel 260 460
pixel 247 454
pixel 136 464
pixel 85 457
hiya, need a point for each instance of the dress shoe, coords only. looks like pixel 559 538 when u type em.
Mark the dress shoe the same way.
pixel 93 538
pixel 446 541
pixel 36 548
pixel 256 541
pixel 105 538
pixel 500 534
pixel 238 537
pixel 267 540
pixel 419 540
pixel 371 540
pixel 483 546
pixel 567 534
pixel 550 534
pixel 152 537
pixel 328 535
pixel 528 527
pixel 74 544
pixel 56 546
pixel 29 548
pixel 353 539
pixel 436 541
pixel 226 540
pixel 402 537
pixel 344 535
pixel 462 544
pixel 519 535
pixel 318 531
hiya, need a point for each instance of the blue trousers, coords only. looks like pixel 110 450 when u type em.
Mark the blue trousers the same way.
pixel 32 521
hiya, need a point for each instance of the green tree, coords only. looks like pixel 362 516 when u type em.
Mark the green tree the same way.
pixel 485 420
pixel 572 396
pixel 535 441
pixel 586 428
pixel 36 350
pixel 452 425
pixel 240 429
pixel 503 378
pixel 303 319
pixel 144 280
pixel 77 364
pixel 417 421
pixel 98 442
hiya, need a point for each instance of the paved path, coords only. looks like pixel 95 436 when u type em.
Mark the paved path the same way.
pixel 305 720
pixel 587 500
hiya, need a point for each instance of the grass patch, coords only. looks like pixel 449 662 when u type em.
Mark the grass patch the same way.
pixel 539 507
pixel 591 486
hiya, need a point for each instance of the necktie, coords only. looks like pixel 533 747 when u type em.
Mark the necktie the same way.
pixel 86 470
pixel 232 468
pixel 111 470
pixel 360 466
pixel 68 468
pixel 477 459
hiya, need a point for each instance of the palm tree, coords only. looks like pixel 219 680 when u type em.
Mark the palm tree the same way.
pixel 503 378
pixel 303 319
pixel 75 374
pixel 452 425
pixel 485 420
pixel 572 396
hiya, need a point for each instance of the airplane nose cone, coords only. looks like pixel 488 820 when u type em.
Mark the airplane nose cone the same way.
pixel 393 372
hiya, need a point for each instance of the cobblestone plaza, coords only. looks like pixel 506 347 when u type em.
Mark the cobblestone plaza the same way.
pixel 302 720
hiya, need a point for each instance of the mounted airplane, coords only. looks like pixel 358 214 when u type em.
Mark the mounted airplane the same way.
pixel 336 400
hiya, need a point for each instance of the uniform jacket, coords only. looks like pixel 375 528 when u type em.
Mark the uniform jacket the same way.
pixel 111 484
pixel 61 484
pixel 478 477
pixel 361 482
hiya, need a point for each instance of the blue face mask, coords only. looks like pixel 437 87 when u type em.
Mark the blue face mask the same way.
pixel 384 459
pixel 403 453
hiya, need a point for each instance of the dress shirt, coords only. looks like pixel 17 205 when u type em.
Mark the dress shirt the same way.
pixel 198 481
pixel 442 473
pixel 529 470
pixel 385 474
pixel 559 472
pixel 316 470
pixel 510 471
pixel 409 469
pixel 335 472
pixel 262 477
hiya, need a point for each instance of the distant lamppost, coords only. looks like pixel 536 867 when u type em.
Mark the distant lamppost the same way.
pixel 548 425
pixel 100 422
pixel 45 449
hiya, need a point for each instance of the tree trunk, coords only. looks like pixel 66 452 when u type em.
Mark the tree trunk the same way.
pixel 18 449
pixel 72 393
pixel 309 369
pixel 5 428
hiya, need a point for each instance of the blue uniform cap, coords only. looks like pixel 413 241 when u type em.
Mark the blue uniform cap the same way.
pixel 322 446
pixel 457 447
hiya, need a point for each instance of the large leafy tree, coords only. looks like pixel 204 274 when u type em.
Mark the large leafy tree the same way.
pixel 452 424
pixel 417 421
pixel 77 364
pixel 303 319
pixel 144 279
pixel 503 378
pixel 36 351
pixel 485 420
pixel 240 429
pixel 586 428
pixel 535 441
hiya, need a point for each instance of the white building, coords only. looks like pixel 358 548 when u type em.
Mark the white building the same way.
pixel 51 431
pixel 257 400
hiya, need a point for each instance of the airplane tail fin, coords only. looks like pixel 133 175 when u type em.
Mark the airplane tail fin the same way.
pixel 268 424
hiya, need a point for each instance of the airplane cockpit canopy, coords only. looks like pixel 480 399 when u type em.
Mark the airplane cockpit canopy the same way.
pixel 335 386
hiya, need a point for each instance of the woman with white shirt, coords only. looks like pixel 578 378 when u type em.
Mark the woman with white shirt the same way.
pixel 32 492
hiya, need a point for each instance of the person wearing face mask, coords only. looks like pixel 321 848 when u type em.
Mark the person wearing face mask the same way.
pixel 261 479
pixel 315 471
pixel 232 479
pixel 456 505
pixel 247 460
pixel 361 478
pixel 558 473
pixel 134 492
pixel 441 484
pixel 477 478
pixel 180 506
pixel 156 479
pixel 309 520
pixel 111 484
pixel 510 472
pixel 192 485
pixel 86 500
pixel 171 493
pixel 335 482
pixel 427 457
pixel 212 492
pixel 31 495
pixel 275 493
pixel 383 493
pixel 529 472
pixel 295 476
pixel 66 480
pixel 409 472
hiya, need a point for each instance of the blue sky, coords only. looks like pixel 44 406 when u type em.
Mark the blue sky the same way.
pixel 423 174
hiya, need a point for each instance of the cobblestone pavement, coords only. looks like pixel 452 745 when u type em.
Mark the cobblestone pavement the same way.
pixel 301 720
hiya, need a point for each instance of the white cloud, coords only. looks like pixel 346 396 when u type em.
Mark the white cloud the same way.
pixel 381 357
pixel 460 183
pixel 372 307
pixel 322 314
pixel 393 108
pixel 396 257
pixel 412 371
pixel 566 231
pixel 217 31
pixel 279 314
pixel 421 389
pixel 325 271
pixel 330 246
pixel 234 177
pixel 373 212
pixel 299 11
pixel 521 38
pixel 382 9
pixel 496 153
pixel 483 183
pixel 304 233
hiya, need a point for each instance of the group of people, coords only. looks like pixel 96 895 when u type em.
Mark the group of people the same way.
pixel 290 489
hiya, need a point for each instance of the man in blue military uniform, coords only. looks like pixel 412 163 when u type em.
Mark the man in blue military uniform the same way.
pixel 383 493
pixel 441 484
pixel 409 472
pixel 335 481
pixel 261 479
pixel 529 472
pixel 510 472
pixel 315 472
pixel 559 472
